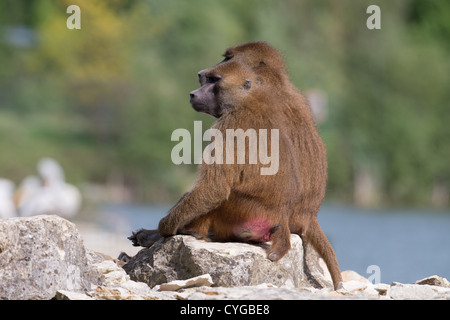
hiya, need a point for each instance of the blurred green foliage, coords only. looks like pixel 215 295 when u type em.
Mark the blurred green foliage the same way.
pixel 105 99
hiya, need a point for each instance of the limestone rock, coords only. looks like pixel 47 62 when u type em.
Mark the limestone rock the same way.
pixel 203 280
pixel 363 289
pixel 351 286
pixel 43 257
pixel 71 295
pixel 435 281
pixel 349 275
pixel 400 291
pixel 260 292
pixel 229 264
pixel 116 285
pixel 40 255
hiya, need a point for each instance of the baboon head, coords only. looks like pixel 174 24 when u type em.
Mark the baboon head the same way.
pixel 260 57
pixel 226 86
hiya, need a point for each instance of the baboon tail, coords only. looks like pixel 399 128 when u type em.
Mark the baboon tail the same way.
pixel 320 242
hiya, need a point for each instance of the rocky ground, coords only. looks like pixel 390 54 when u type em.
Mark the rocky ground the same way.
pixel 45 257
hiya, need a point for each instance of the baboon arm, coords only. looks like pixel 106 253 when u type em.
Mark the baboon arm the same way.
pixel 207 194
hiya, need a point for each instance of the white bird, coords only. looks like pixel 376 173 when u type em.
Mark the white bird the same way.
pixel 7 207
pixel 55 196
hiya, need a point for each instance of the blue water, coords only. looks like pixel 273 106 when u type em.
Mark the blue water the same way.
pixel 406 245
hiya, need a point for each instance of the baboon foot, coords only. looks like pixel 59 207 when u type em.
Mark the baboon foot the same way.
pixel 144 238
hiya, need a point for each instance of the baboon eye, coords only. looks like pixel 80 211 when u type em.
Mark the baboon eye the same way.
pixel 213 77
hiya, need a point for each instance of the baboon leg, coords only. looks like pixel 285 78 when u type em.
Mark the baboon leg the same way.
pixel 205 196
pixel 146 238
pixel 281 242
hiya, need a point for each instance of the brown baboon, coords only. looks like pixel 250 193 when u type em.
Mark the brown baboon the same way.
pixel 268 64
pixel 250 88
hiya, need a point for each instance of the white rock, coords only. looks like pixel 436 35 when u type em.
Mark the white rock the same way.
pixel 351 286
pixel 349 275
pixel 107 266
pixel 401 291
pixel 113 274
pixel 229 264
pixel 203 280
pixel 260 292
pixel 40 255
pixel 70 295
pixel 363 289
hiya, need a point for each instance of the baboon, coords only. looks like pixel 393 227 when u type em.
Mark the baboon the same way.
pixel 250 88
pixel 268 64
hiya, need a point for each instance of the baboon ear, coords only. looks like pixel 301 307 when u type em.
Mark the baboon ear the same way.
pixel 248 84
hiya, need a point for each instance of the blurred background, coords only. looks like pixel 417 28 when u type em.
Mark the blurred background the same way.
pixel 102 102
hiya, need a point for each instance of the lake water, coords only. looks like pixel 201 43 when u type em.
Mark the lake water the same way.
pixel 406 245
